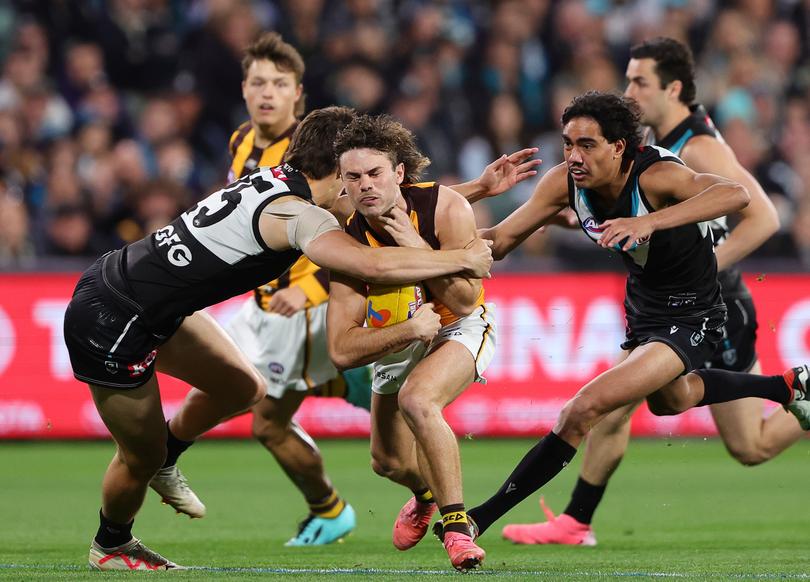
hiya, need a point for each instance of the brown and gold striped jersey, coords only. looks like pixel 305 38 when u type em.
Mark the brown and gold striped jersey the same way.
pixel 420 200
pixel 246 157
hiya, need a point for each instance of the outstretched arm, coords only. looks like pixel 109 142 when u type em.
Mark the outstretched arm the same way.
pixel 500 176
pixel 549 197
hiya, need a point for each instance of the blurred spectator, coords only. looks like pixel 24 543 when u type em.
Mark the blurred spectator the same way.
pixel 16 247
pixel 113 113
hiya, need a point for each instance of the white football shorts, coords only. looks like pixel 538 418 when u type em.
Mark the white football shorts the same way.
pixel 290 352
pixel 476 332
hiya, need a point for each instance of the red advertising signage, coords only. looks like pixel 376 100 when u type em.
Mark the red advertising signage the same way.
pixel 554 333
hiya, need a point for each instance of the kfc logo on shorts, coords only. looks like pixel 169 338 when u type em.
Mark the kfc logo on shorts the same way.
pixel 276 368
pixel 696 338
pixel 140 368
pixel 111 367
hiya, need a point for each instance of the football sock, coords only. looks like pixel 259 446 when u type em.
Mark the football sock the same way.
pixel 174 447
pixel 358 386
pixel 424 496
pixel 329 507
pixel 538 467
pixel 723 386
pixel 584 501
pixel 455 519
pixel 111 534
pixel 354 386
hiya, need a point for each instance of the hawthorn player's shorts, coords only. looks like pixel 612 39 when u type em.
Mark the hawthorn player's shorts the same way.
pixel 476 332
pixel 290 352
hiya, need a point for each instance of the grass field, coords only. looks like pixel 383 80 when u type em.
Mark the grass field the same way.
pixel 677 508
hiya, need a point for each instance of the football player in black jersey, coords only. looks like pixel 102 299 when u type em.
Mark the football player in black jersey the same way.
pixel 660 78
pixel 644 204
pixel 138 309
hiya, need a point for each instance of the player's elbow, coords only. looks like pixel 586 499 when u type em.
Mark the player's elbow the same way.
pixel 340 358
pixel 740 197
pixel 343 358
pixel 370 270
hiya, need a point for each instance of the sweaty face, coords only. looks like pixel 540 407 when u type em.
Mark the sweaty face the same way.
pixel 591 160
pixel 644 85
pixel 270 95
pixel 371 181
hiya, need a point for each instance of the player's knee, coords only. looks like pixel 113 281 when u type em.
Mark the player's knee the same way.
pixel 415 408
pixel 577 417
pixel 748 456
pixel 249 393
pixel 144 462
pixel 388 467
pixel 267 432
pixel 666 405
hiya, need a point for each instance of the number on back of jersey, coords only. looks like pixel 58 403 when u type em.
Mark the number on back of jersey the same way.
pixel 224 221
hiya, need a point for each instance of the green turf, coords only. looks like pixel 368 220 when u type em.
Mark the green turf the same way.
pixel 677 508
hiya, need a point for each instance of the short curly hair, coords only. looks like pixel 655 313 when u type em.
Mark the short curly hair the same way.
pixel 673 62
pixel 617 116
pixel 385 135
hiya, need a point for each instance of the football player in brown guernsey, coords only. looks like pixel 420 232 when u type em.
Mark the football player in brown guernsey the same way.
pixel 425 362
pixel 282 330
pixel 139 309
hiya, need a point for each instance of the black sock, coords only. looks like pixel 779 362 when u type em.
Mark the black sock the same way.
pixel 455 519
pixel 538 467
pixel 174 447
pixel 584 501
pixel 111 534
pixel 723 386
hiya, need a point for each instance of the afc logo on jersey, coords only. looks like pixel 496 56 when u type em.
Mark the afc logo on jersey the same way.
pixel 178 254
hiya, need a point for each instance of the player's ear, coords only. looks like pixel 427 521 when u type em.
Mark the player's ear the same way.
pixel 619 146
pixel 399 170
pixel 674 89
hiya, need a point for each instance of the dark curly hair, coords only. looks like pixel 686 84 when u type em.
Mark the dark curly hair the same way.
pixel 617 116
pixel 309 150
pixel 673 62
pixel 386 135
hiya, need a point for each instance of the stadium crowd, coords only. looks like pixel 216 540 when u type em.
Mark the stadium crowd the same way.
pixel 114 116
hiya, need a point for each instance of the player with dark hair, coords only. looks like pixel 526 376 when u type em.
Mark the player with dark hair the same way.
pixel 282 328
pixel 137 309
pixel 660 78
pixel 646 205
pixel 423 363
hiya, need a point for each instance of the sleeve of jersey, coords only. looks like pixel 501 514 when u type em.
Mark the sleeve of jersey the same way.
pixel 305 222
